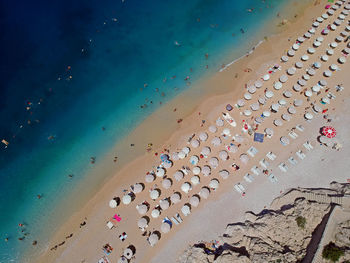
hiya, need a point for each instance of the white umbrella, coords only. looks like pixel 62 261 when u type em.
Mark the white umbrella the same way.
pixel 330 12
pixel 317 65
pixel 262 100
pixel 224 174
pixel 186 210
pixel 244 158
pixel 216 141
pixel 292 110
pixel 337 22
pixel 223 155
pixel 185 187
pixel 325 100
pixel 203 136
pixel 347 7
pixel 285 117
pixel 291 53
pixel 342 60
pixel 269 94
pixel 312 30
pixel 165 227
pixel 186 150
pixel 138 188
pixel 275 107
pixel 175 198
pixel 247 96
pixel 334 7
pixel 226 132
pixel 278 122
pixel 284 58
pixel 296 87
pixel 149 178
pixel 299 64
pixel 206 170
pixel 317 43
pixel 316 88
pixel 284 140
pixel 126 199
pixel 327 73
pixel 346 50
pixel 291 71
pixel 128 253
pixel 251 89
pixel 266 77
pixel 266 114
pixel 287 94
pixel 311 50
pixel 344 34
pixel 283 78
pixel 205 151
pixel 315 24
pixel 333 67
pixel 194 159
pixel 232 148
pixel 324 58
pixel 153 239
pixel 333 45
pixel 277 85
pixel 282 102
pixel 330 52
pixel 333 27
pixel 194 201
pixel 164 204
pixel 167 164
pixel 142 209
pixel 308 116
pixel 308 93
pixel 214 162
pixel 306 77
pixel 341 17
pixel 317 108
pixel 181 155
pixel 295 46
pixel 247 112
pixel 204 193
pixel 194 143
pixel 320 39
pixel 154 194
pixel 298 103
pixel 319 19
pixel 311 72
pixel 258 84
pixel 155 213
pixel 347 28
pixel 219 122
pixel 160 172
pixel 142 223
pixel 113 203
pixel 240 103
pixel 307 35
pixel 178 175
pixel 167 183
pixel 214 183
pixel 301 39
pixel 269 131
pixel 325 31
pixel 301 82
pixel 212 129
pixel 304 57
pixel 196 170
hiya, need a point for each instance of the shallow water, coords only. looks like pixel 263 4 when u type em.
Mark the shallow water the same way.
pixel 70 68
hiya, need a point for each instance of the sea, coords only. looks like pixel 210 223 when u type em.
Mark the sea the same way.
pixel 77 76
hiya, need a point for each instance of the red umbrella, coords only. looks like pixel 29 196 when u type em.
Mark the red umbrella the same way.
pixel 329 131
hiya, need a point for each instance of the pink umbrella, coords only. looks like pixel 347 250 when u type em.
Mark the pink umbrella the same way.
pixel 329 131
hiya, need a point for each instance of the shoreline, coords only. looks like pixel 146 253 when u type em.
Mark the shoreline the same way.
pixel 184 131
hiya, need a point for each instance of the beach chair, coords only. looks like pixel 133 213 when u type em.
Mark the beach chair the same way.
pixel 300 127
pixel 229 119
pixel 241 187
pixel 292 135
pixel 174 220
pixel 110 225
pixel 256 170
pixel 264 163
pixel 248 178
pixel 178 217
pixel 238 189
pixel 292 160
pixel 283 167
pixel 300 154
pixel 308 146
pixel 252 151
pixel 331 95
pixel 271 156
pixel 272 178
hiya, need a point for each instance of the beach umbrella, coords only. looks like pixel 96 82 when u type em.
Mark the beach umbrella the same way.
pixel 167 183
pixel 308 116
pixel 287 94
pixel 311 50
pixel 301 39
pixel 330 12
pixel 333 45
pixel 347 28
pixel 251 89
pixel 334 7
pixel 165 227
pixel 196 170
pixel 282 102
pixel 212 129
pixel 319 19
pixel 214 183
pixel 346 50
pixel 174 156
pixel 325 31
pixel 333 67
pixel 347 7
pixel 126 199
pixel 255 106
pixel 285 117
pixel 205 151
pixel 317 65
pixel 291 53
pixel 342 60
pixel 266 114
pixel 295 46
pixel 304 57
pixel 315 24
pixel 142 223
pixel 341 17
pixel 308 93
pixel 128 253
pixel 223 155
pixel 278 122
pixel 317 108
pixel 317 43
pixel 214 162
pixel 266 77
pixel 275 107
pixel 194 201
pixel 247 112
pixel 312 30
pixel 247 96
pixel 186 210
pixel 154 194
pixel 324 58
pixel 206 170
pixel 160 172
pixel 149 178
pixel 138 188
pixel 226 132
pixel 311 72
pixel 292 110
pixel 258 84
pixel 320 39
pixel 113 203
pixel 296 87
pixel 344 33
pixel 269 94
pixel 204 192
pixel 291 71
pixel 175 198
pixel 168 164
pixel 229 107
pixel 337 22
pixel 164 204
pixel 181 155
pixel 195 143
pixel 307 35
pixel 283 78
pixel 277 85
pixel 262 100
pixel 203 136
pixel 240 103
pixel 219 122
pixel 329 131
pixel 155 213
pixel 153 239
pixel 232 148
pixel 239 138
pixel 224 174
pixel 185 187
pixel 330 52
pixel 178 175
pixel 269 132
pixel 322 82
pixel 194 159
pixel 299 64
pixel 316 88
pixel 327 73
pixel 333 27
pixel 284 140
pixel 142 209
pixel 284 58
pixel 325 100
pixel 216 141
pixel 306 77
pixel 244 158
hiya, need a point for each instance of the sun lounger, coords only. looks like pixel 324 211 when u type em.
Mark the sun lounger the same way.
pixel 292 160
pixel 256 170
pixel 241 187
pixel 264 163
pixel 229 119
pixel 237 188
pixel 272 178
pixel 271 156
pixel 300 127
pixel 248 178
pixel 178 217
pixel 292 135
pixel 104 259
pixel 110 225
pixel 331 95
pixel 174 220
pixel 283 167
pixel 252 151
pixel 300 154
pixel 308 146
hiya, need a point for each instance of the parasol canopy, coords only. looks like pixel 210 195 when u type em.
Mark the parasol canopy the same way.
pixel 205 151
pixel 284 140
pixel 185 187
pixel 296 87
pixel 214 162
pixel 204 192
pixel 142 209
pixel 149 178
pixel 206 170
pixel 186 209
pixel 126 199
pixel 175 198
pixel 224 174
pixel 143 222
pixel 165 227
pixel 219 122
pixel 214 183
pixel 178 175
pixel 154 194
pixel 278 122
pixel 194 201
pixel 160 172
pixel 203 136
pixel 167 183
pixel 196 170
pixel 195 143
pixel 195 180
pixel 153 239
pixel 155 213
pixel 329 131
pixel 216 141
pixel 212 129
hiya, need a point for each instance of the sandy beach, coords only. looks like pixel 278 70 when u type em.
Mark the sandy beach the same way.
pixel 224 205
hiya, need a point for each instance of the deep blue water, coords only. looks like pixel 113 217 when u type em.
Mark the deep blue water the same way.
pixel 69 68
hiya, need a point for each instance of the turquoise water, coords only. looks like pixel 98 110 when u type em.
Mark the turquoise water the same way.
pixel 111 50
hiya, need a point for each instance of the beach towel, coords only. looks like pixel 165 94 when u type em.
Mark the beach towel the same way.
pixel 116 217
